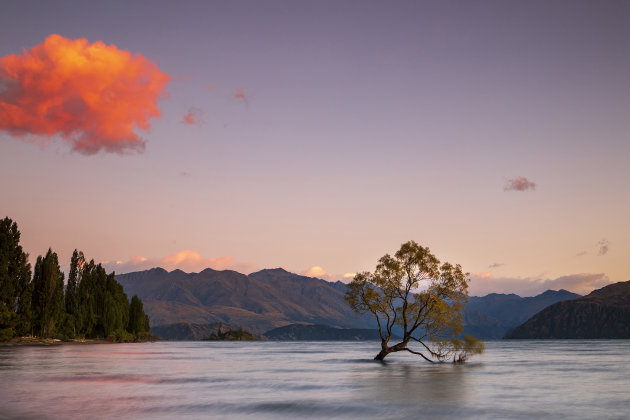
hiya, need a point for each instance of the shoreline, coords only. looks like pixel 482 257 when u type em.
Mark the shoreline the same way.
pixel 37 341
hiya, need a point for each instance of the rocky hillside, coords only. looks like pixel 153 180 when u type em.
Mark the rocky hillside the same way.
pixel 604 313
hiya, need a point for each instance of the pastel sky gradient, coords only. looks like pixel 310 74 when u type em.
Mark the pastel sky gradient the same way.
pixel 318 136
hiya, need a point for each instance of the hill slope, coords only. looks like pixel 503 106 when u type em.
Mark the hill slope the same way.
pixel 259 302
pixel 604 313
pixel 493 315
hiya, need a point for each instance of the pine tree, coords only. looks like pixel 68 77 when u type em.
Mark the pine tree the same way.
pixel 47 301
pixel 15 279
pixel 138 320
pixel 72 288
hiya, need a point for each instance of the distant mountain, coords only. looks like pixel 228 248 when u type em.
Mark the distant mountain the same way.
pixel 258 302
pixel 274 298
pixel 493 315
pixel 185 331
pixel 604 313
pixel 295 332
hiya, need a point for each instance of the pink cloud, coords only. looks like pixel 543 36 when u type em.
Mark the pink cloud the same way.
pixel 210 87
pixel 194 116
pixel 519 184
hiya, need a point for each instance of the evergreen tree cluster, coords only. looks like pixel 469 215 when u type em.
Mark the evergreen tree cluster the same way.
pixel 92 305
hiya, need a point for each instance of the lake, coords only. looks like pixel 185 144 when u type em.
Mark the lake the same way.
pixel 512 380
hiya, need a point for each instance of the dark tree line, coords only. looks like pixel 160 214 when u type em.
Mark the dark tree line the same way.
pixel 92 305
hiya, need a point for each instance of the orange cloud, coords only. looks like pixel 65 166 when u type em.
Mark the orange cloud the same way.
pixel 318 272
pixel 92 95
pixel 315 271
pixel 192 259
pixel 193 117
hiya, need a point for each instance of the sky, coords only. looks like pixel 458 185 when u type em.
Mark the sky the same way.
pixel 319 136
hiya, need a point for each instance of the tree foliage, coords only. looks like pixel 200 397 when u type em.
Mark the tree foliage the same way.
pixel 47 300
pixel 15 278
pixel 412 294
pixel 93 305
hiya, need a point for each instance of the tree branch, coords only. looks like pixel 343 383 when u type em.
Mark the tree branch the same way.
pixel 420 354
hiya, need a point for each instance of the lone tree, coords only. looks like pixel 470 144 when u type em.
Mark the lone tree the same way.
pixel 413 295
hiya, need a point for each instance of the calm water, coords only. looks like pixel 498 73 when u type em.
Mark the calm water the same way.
pixel 513 379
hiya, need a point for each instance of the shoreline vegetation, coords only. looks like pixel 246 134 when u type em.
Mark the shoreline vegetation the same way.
pixel 232 335
pixel 39 307
pixel 39 341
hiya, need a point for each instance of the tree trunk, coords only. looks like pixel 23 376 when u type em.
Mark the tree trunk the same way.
pixel 381 355
pixel 385 349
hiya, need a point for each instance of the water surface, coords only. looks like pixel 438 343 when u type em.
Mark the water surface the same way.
pixel 513 379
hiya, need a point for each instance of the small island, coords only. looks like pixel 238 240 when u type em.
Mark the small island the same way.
pixel 232 335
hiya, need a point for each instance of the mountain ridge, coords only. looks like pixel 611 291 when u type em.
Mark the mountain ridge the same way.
pixel 274 297
pixel 603 313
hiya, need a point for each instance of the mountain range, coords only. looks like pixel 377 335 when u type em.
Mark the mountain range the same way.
pixel 197 302
pixel 259 301
pixel 493 315
pixel 604 313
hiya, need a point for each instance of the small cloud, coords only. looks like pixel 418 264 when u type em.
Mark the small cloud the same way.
pixel 496 265
pixel 194 116
pixel 210 87
pixel 315 271
pixel 519 184
pixel 185 174
pixel 484 275
pixel 318 272
pixel 239 93
pixel 581 254
pixel 91 95
pixel 602 247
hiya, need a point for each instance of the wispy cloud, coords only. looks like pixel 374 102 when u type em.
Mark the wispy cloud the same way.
pixel 583 283
pixel 194 116
pixel 91 95
pixel 240 94
pixel 602 247
pixel 519 184
pixel 496 265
